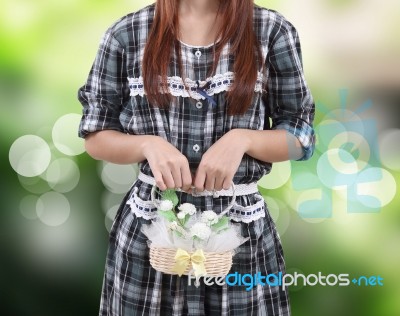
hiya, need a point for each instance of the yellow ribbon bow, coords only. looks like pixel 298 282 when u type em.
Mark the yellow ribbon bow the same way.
pixel 183 259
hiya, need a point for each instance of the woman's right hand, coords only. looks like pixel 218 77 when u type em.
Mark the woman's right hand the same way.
pixel 169 166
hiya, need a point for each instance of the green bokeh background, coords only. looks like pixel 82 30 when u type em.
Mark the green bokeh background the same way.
pixel 46 50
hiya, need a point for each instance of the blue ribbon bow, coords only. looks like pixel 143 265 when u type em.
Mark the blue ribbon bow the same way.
pixel 202 92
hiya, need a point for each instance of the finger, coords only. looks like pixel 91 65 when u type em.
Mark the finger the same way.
pixel 218 183
pixel 226 185
pixel 210 183
pixel 186 178
pixel 199 180
pixel 159 180
pixel 177 177
pixel 168 179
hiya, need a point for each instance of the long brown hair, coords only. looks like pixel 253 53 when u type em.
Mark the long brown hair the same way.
pixel 237 29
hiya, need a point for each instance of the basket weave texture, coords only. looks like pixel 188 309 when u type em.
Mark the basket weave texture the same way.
pixel 216 263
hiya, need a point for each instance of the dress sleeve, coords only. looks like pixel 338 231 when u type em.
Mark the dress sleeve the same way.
pixel 106 88
pixel 290 102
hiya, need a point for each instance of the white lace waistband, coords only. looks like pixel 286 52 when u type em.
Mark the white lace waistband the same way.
pixel 240 189
pixel 238 213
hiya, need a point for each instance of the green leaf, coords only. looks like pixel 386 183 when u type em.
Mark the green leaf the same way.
pixel 185 220
pixel 221 224
pixel 168 215
pixel 178 234
pixel 171 195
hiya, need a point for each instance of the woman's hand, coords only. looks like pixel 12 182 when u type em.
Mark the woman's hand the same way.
pixel 169 166
pixel 220 162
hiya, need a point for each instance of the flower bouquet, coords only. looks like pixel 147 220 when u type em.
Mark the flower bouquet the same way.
pixel 183 239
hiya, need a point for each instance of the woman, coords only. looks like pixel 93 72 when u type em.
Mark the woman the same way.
pixel 186 89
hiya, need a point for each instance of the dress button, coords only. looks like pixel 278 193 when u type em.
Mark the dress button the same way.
pixel 197 53
pixel 196 148
pixel 199 105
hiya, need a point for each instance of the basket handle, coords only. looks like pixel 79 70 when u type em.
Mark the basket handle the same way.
pixel 155 202
pixel 226 210
pixel 233 199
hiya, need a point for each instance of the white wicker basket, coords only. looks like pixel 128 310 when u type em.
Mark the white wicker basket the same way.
pixel 216 263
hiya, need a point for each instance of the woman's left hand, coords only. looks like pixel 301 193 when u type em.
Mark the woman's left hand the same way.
pixel 220 162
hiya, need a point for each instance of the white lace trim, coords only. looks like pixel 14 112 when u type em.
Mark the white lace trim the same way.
pixel 176 86
pixel 238 213
pixel 247 214
pixel 141 208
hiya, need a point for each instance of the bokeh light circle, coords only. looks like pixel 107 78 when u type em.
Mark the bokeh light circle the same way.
pixel 282 222
pixel 279 213
pixel 390 149
pixel 36 185
pixel 325 131
pixel 27 207
pixel 65 137
pixel 312 206
pixel 337 167
pixel 109 199
pixel 29 155
pixel 303 178
pixel 63 175
pixel 355 144
pixel 382 190
pixel 342 161
pixel 346 117
pixel 53 208
pixel 118 178
pixel 279 175
pixel 273 207
pixel 109 218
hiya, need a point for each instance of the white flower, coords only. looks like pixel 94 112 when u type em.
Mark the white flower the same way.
pixel 166 205
pixel 181 215
pixel 209 217
pixel 173 225
pixel 200 230
pixel 187 208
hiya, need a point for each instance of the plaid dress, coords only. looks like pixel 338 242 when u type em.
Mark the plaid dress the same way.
pixel 113 98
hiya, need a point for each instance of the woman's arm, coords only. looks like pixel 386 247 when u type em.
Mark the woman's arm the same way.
pixel 220 162
pixel 269 145
pixel 116 147
pixel 170 168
